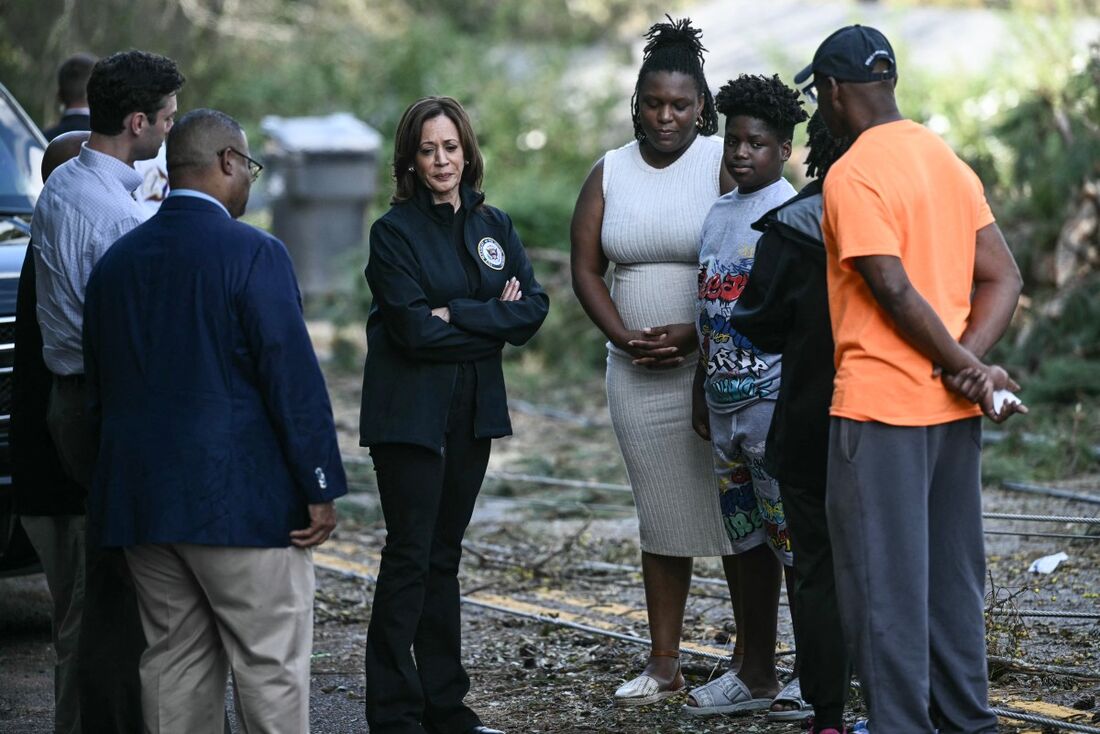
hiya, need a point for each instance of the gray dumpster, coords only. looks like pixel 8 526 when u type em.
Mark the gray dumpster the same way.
pixel 321 177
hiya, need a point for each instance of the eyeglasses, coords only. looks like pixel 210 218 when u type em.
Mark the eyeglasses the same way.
pixel 254 166
pixel 810 90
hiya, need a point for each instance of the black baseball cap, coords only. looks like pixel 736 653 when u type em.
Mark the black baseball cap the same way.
pixel 850 54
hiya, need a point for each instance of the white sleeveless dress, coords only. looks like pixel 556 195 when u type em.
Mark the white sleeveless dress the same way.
pixel 652 221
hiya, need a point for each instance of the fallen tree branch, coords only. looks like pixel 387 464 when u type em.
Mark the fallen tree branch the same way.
pixel 1024 666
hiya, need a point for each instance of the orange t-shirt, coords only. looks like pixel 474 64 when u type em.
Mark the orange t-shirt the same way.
pixel 901 191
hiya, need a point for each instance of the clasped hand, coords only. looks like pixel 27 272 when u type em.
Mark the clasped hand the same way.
pixel 977 384
pixel 660 347
pixel 511 292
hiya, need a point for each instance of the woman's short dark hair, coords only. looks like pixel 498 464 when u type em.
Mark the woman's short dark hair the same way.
pixel 126 82
pixel 406 142
pixel 764 98
pixel 675 46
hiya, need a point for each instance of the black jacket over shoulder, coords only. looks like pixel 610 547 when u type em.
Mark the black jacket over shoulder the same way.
pixel 784 309
pixel 67 124
pixel 40 485
pixel 412 356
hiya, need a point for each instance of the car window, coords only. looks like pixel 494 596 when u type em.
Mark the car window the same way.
pixel 20 161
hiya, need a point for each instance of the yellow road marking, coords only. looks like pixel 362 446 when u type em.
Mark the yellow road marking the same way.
pixel 523 607
pixel 336 563
pixel 615 610
pixel 348 548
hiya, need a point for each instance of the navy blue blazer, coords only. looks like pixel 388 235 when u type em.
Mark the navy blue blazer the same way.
pixel 215 424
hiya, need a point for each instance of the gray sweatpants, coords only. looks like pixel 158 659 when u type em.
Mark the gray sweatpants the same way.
pixel 904 512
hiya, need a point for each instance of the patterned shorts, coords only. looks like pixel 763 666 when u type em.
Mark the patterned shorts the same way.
pixel 752 510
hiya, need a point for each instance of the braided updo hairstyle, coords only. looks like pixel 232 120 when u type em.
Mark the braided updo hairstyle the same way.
pixel 824 149
pixel 765 98
pixel 675 46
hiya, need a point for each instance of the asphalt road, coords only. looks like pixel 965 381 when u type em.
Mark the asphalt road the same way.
pixel 26 657
pixel 26 667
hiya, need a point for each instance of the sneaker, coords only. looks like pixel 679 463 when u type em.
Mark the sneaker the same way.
pixel 860 727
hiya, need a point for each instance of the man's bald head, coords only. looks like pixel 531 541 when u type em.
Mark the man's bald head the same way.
pixel 208 152
pixel 61 149
pixel 195 140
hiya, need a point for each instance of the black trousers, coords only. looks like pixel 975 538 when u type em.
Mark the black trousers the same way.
pixel 111 637
pixel 819 637
pixel 427 501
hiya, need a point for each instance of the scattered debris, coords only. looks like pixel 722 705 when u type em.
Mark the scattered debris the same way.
pixel 1047 564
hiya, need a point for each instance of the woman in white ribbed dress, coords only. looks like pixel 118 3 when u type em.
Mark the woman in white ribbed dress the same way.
pixel 642 208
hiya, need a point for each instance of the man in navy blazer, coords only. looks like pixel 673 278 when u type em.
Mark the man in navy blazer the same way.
pixel 218 461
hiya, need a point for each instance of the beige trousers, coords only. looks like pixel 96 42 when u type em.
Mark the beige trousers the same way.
pixel 208 610
pixel 59 543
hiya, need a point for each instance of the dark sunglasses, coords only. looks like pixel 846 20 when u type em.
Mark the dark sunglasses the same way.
pixel 254 166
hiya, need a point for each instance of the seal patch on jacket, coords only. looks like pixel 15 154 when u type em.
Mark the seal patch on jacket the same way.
pixel 491 253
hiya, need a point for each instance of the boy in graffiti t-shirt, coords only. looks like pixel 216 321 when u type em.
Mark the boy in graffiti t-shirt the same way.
pixel 736 384
pixel 738 381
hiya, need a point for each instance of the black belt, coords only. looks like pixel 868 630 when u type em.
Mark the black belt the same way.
pixel 74 379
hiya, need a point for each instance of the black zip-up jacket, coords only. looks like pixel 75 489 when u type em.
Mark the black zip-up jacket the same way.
pixel 412 356
pixel 784 309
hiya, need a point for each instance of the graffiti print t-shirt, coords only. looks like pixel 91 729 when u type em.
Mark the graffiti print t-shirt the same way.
pixel 737 373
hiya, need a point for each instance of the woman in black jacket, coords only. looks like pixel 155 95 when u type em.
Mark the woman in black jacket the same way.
pixel 451 285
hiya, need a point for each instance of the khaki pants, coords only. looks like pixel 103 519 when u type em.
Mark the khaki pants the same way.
pixel 208 610
pixel 59 543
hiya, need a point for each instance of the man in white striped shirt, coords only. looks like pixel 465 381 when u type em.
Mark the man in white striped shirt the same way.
pixel 85 206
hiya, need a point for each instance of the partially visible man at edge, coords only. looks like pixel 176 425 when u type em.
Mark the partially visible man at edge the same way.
pixel 218 461
pixel 72 84
pixel 40 487
pixel 84 207
pixel 921 285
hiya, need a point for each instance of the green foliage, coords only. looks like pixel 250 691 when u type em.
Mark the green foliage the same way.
pixel 1051 443
pixel 515 65
pixel 1072 332
pixel 1031 130
pixel 542 118
pixel 567 344
pixel 1065 380
pixel 1030 127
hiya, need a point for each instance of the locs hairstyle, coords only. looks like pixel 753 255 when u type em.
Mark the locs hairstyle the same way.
pixel 764 98
pixel 407 141
pixel 126 82
pixel 675 46
pixel 824 149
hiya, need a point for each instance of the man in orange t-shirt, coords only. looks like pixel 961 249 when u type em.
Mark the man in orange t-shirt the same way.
pixel 921 285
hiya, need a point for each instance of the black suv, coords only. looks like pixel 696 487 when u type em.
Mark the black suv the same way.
pixel 21 149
